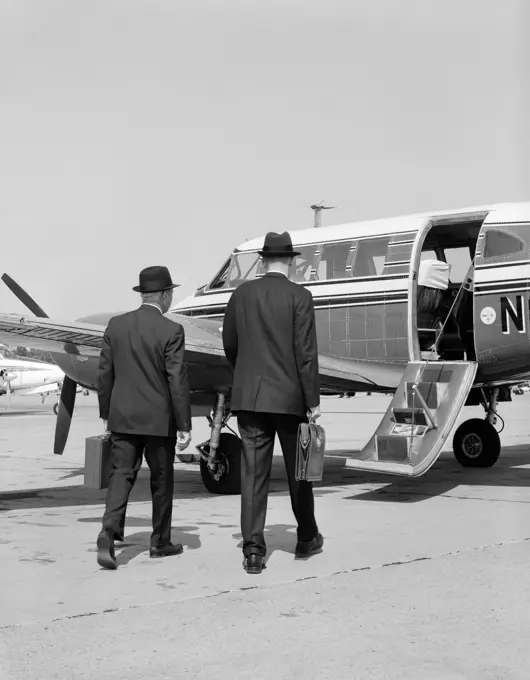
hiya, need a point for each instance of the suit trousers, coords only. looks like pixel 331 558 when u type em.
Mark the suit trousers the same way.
pixel 258 432
pixel 126 454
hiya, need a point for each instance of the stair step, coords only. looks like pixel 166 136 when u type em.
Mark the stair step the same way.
pixel 432 393
pixel 409 415
pixel 392 448
pixel 401 469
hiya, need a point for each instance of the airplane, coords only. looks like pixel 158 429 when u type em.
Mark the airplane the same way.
pixel 432 308
pixel 521 388
pixel 29 377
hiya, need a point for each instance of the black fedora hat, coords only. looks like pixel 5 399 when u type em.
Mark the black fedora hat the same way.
pixel 154 280
pixel 278 245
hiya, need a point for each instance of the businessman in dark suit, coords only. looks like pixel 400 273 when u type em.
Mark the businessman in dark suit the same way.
pixel 144 400
pixel 269 337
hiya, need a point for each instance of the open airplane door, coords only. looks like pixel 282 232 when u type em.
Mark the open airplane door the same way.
pixel 419 419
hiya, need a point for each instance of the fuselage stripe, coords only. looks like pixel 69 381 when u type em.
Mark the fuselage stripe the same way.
pixel 503 265
pixel 500 291
pixel 322 303
pixel 502 284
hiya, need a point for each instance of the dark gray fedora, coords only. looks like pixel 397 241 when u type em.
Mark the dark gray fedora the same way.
pixel 278 245
pixel 154 280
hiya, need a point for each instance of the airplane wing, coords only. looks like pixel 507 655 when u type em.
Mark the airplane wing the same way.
pixel 43 389
pixel 53 336
pixel 204 350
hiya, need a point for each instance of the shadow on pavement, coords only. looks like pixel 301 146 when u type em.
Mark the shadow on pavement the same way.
pixel 444 476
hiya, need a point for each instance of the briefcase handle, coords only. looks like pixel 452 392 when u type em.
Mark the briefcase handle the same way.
pixel 304 437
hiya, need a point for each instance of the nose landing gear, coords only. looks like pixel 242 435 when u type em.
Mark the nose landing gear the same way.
pixel 220 461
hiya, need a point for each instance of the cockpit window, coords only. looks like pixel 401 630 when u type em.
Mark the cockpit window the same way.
pixel 499 243
pixel 244 267
pixel 221 279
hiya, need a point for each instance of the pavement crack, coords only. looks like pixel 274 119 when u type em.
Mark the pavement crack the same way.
pixel 270 586
pixel 452 497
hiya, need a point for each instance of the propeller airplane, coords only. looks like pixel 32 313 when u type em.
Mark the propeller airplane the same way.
pixel 433 308
pixel 29 377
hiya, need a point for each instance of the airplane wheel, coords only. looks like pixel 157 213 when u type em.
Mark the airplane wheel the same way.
pixel 476 443
pixel 56 408
pixel 229 450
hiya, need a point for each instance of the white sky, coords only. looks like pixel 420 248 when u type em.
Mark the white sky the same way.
pixel 140 132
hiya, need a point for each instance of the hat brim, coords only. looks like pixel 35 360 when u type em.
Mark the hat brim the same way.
pixel 139 289
pixel 277 253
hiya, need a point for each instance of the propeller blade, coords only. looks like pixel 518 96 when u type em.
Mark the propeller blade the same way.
pixel 64 416
pixel 26 299
pixel 69 387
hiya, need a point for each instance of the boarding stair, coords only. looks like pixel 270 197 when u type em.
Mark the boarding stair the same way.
pixel 419 418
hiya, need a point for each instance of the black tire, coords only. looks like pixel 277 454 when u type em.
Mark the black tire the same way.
pixel 230 448
pixel 56 408
pixel 476 444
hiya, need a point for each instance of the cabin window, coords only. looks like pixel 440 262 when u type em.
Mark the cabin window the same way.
pixel 221 279
pixel 303 264
pixel 333 262
pixel 244 267
pixel 460 260
pixel 370 257
pixel 499 243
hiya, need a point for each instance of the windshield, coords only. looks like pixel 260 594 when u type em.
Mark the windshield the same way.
pixel 240 267
pixel 245 266
pixel 221 277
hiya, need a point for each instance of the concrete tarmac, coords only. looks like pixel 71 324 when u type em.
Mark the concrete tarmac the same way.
pixel 424 578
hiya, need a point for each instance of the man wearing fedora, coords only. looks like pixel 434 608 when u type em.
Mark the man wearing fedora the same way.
pixel 144 400
pixel 269 337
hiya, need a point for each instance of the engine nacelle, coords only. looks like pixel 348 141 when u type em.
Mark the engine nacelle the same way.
pixel 6 377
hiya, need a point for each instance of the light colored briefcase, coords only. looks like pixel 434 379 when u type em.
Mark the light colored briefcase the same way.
pixel 310 450
pixel 98 462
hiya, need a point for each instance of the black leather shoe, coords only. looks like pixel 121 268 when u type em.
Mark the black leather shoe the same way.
pixel 166 550
pixel 254 564
pixel 106 557
pixel 308 548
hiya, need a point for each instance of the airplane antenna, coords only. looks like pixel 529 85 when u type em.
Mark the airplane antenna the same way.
pixel 317 209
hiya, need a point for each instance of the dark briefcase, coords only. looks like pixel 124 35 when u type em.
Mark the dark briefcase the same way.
pixel 310 451
pixel 97 461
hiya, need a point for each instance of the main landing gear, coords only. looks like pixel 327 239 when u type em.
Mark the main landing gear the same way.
pixel 220 461
pixel 476 442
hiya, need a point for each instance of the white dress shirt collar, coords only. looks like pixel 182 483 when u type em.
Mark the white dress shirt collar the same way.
pixel 152 304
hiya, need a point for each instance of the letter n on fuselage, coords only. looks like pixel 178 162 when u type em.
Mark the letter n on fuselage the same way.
pixel 516 314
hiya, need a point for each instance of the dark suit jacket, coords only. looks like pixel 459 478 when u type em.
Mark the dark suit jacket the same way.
pixel 269 337
pixel 142 378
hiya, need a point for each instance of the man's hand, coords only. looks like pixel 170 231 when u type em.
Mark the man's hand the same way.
pixel 314 412
pixel 183 440
pixel 105 426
